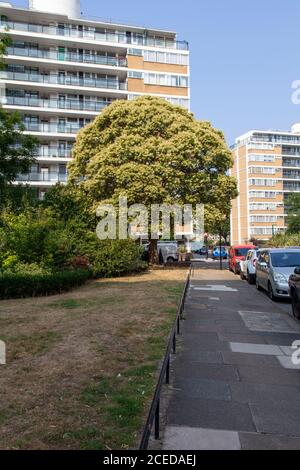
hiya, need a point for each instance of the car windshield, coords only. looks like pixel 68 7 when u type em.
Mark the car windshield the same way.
pixel 285 259
pixel 241 251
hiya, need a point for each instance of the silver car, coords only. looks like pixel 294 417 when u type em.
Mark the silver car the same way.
pixel 273 269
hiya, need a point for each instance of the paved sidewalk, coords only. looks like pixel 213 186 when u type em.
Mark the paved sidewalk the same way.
pixel 235 385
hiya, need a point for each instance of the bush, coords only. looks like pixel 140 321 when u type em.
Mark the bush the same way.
pixel 20 285
pixel 114 258
pixel 285 240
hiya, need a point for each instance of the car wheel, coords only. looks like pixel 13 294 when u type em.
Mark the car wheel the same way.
pixel 250 279
pixel 271 293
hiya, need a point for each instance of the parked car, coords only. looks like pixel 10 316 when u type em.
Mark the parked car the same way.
pixel 273 270
pixel 248 267
pixel 237 254
pixel 216 253
pixel 168 252
pixel 294 290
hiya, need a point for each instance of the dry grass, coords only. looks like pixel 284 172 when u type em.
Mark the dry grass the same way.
pixel 81 367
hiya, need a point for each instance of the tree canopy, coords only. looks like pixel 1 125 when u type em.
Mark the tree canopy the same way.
pixel 153 153
pixel 16 148
pixel 293 219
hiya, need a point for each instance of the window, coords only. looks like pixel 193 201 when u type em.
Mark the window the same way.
pixel 166 80
pixel 262 182
pixel 261 158
pixel 262 170
pixel 135 74
pixel 137 52
pixel 262 194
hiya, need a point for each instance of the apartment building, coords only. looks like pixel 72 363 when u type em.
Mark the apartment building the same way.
pixel 267 167
pixel 61 70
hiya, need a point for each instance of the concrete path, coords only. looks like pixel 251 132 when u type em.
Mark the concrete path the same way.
pixel 235 385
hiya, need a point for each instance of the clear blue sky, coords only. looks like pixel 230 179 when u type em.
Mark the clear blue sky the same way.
pixel 244 55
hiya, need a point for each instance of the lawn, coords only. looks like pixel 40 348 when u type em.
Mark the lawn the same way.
pixel 82 367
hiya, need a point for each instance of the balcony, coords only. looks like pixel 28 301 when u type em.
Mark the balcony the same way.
pixel 67 56
pixel 292 176
pixel 43 177
pixel 52 128
pixel 67 104
pixel 291 163
pixel 109 83
pixel 110 37
pixel 53 152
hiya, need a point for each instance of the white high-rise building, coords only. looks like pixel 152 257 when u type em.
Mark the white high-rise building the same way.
pixel 61 70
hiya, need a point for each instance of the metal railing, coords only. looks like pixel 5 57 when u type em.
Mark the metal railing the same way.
pixel 105 36
pixel 49 177
pixel 53 152
pixel 65 56
pixel 111 84
pixel 52 128
pixel 66 104
pixel 164 376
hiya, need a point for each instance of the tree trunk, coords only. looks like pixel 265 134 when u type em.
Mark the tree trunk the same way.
pixel 153 253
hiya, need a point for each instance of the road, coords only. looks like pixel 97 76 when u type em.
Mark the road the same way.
pixel 235 385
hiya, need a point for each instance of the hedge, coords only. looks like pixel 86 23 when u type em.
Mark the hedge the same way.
pixel 14 286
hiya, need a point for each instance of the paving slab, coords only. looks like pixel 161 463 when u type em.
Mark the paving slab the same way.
pixel 240 338
pixel 202 389
pixel 268 375
pixel 187 438
pixel 249 359
pixel 202 357
pixel 264 393
pixel 225 373
pixel 212 414
pixel 256 441
pixel 248 348
pixel 284 419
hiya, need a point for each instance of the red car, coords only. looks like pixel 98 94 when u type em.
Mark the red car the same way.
pixel 238 253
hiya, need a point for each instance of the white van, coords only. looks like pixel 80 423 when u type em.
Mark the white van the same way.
pixel 168 251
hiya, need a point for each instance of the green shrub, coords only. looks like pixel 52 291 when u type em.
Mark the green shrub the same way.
pixel 20 285
pixel 113 258
pixel 285 240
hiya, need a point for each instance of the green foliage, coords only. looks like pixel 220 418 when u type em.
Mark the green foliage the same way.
pixel 285 239
pixel 23 285
pixel 152 152
pixel 116 258
pixel 5 41
pixel 217 220
pixel 293 219
pixel 16 148
pixel 36 242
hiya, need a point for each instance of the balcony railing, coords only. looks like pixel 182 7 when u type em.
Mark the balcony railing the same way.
pixel 114 36
pixel 53 152
pixel 291 186
pixel 52 128
pixel 111 84
pixel 67 104
pixel 47 177
pixel 295 176
pixel 291 163
pixel 67 56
